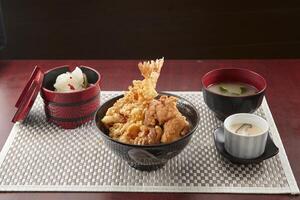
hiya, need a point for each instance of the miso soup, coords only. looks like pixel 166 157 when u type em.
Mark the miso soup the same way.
pixel 232 89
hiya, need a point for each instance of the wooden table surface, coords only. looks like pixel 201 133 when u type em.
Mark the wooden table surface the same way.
pixel 283 95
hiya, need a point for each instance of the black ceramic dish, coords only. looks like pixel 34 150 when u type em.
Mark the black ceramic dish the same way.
pixel 270 150
pixel 224 106
pixel 148 157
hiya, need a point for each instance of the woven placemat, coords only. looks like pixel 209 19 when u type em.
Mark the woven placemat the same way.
pixel 39 156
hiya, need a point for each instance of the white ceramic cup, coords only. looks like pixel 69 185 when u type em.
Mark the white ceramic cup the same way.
pixel 245 146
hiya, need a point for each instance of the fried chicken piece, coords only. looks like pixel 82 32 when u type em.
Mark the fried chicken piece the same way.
pixel 150 114
pixel 131 132
pixel 166 113
pixel 161 110
pixel 149 136
pixel 174 129
pixel 166 109
pixel 114 130
pixel 112 119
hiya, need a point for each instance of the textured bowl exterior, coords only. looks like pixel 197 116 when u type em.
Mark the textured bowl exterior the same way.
pixel 70 110
pixel 245 147
pixel 148 157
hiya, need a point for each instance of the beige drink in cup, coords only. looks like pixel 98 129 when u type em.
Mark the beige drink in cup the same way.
pixel 245 135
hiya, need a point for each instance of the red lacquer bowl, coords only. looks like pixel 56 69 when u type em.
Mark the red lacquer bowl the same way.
pixel 72 109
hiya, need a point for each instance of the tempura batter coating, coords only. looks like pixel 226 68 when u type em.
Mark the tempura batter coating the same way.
pixel 165 113
pixel 138 118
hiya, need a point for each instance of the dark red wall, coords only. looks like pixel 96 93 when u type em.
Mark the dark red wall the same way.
pixel 149 29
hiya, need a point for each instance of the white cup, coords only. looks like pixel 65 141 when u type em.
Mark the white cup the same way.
pixel 245 146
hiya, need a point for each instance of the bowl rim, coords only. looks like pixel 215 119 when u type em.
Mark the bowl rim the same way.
pixel 238 69
pixel 78 91
pixel 152 145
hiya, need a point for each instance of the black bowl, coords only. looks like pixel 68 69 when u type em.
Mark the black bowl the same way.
pixel 148 157
pixel 224 106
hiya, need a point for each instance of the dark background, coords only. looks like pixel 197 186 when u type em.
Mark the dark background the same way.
pixel 186 29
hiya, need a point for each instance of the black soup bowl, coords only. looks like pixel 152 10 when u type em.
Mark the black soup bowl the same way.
pixel 148 157
pixel 224 106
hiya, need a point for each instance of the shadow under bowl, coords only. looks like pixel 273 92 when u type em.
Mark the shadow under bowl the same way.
pixel 148 157
pixel 224 106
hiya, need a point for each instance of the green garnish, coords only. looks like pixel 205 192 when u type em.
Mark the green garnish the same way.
pixel 222 89
pixel 243 90
pixel 236 93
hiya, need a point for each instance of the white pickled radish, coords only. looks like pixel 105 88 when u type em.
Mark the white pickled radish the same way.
pixel 78 75
pixel 69 82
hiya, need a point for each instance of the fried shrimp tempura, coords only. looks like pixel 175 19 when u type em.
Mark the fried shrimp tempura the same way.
pixel 130 109
pixel 138 118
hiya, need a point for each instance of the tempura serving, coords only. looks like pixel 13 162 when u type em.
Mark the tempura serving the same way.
pixel 138 118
